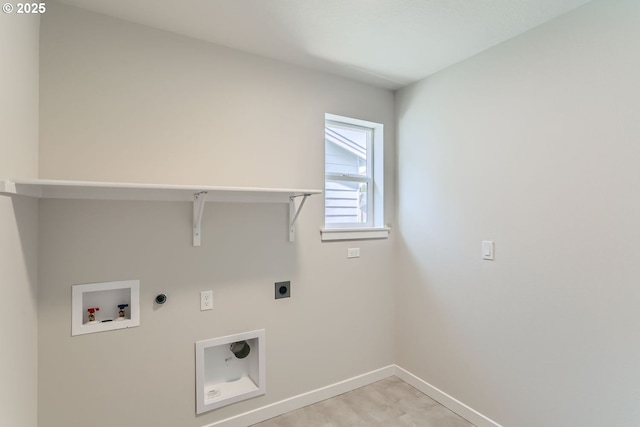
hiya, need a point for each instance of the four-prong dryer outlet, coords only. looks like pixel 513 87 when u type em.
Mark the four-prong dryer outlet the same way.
pixel 283 289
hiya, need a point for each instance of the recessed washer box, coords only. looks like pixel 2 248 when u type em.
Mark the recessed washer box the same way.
pixel 106 306
pixel 227 372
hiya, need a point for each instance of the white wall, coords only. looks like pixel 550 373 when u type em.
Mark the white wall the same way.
pixel 532 144
pixel 18 220
pixel 121 102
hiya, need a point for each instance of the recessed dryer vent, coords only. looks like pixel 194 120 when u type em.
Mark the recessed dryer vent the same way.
pixel 229 369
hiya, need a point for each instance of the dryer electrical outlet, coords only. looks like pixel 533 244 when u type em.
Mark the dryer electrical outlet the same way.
pixel 283 289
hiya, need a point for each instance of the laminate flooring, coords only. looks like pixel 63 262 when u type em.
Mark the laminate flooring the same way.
pixel 387 403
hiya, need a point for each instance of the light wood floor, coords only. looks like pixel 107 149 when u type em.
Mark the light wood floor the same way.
pixel 389 403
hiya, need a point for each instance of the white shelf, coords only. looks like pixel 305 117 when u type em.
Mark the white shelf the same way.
pixel 87 190
pixel 54 189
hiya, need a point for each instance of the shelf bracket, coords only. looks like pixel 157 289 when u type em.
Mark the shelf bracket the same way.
pixel 293 214
pixel 198 210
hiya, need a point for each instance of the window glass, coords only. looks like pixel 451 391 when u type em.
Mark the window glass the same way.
pixel 346 202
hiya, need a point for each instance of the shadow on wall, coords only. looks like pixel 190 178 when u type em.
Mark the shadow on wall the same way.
pixel 26 216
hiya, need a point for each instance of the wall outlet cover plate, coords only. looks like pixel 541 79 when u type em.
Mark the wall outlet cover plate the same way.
pixel 488 250
pixel 283 289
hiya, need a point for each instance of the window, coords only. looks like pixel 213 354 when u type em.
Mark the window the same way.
pixel 348 178
pixel 354 202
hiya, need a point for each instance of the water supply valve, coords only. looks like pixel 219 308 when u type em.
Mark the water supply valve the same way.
pixel 92 311
pixel 121 308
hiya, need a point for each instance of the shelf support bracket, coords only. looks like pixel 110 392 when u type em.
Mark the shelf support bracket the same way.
pixel 293 214
pixel 198 210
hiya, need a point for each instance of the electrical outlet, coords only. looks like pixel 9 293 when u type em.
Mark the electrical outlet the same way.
pixel 206 300
pixel 353 253
pixel 283 289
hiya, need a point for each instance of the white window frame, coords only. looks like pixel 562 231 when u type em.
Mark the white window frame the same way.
pixel 367 179
pixel 374 228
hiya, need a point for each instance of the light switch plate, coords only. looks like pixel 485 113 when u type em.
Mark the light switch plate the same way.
pixel 487 249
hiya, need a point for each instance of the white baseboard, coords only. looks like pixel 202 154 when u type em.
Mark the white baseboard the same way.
pixel 296 402
pixel 445 400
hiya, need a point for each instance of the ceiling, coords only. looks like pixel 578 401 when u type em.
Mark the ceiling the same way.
pixel 387 43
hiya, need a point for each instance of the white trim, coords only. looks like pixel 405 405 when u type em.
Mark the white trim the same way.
pixel 350 121
pixel 332 234
pixel 348 177
pixel 449 402
pixel 304 399
pixel 296 402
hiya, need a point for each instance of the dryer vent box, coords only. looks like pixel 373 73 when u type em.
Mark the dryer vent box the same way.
pixel 229 369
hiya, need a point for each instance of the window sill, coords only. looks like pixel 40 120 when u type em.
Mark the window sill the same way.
pixel 331 234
